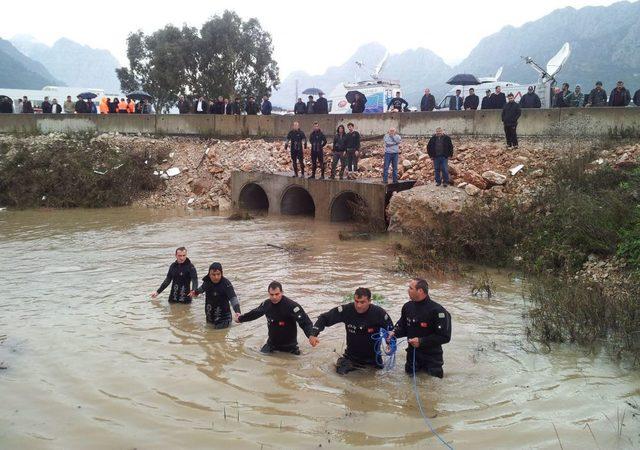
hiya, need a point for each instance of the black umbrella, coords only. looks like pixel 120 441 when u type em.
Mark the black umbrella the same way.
pixel 139 95
pixel 351 96
pixel 463 79
pixel 87 95
pixel 313 91
pixel 4 98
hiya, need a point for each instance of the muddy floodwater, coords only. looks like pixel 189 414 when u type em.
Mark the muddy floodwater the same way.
pixel 90 361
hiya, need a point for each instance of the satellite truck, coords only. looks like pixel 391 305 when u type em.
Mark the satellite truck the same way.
pixel 379 92
pixel 543 86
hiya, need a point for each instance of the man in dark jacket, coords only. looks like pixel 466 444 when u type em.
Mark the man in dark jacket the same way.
pixel 440 149
pixel 200 106
pixel 184 106
pixel 317 140
pixel 456 102
pixel 81 106
pixel 510 115
pixel 234 108
pixel 299 107
pixel 486 100
pixel 252 107
pixel 530 99
pixel 558 100
pixel 217 107
pixel 620 95
pixel 428 102
pixel 498 99
pixel 397 103
pixel 471 101
pixel 427 326
pixel 297 139
pixel 183 278
pixel 219 294
pixel 353 148
pixel 597 96
pixel 282 315
pixel 357 107
pixel 55 107
pixel 27 108
pixel 311 105
pixel 362 321
pixel 321 106
pixel 636 98
pixel 46 106
pixel 265 108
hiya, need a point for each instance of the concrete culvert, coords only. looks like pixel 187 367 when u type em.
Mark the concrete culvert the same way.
pixel 254 198
pixel 349 207
pixel 296 201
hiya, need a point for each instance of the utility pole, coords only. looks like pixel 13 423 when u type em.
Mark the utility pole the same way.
pixel 296 99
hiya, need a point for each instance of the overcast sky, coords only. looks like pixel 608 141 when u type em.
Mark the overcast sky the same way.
pixel 305 37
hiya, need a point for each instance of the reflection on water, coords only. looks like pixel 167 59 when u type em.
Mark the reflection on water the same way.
pixel 92 360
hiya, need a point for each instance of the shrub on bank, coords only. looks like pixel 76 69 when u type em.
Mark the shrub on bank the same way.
pixel 72 172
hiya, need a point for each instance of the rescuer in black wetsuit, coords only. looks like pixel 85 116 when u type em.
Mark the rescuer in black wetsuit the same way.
pixel 361 320
pixel 282 314
pixel 219 294
pixel 296 138
pixel 317 140
pixel 183 278
pixel 427 325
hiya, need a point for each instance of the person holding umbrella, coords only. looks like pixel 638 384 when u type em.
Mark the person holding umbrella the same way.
pixel 311 105
pixel 81 106
pixel 357 103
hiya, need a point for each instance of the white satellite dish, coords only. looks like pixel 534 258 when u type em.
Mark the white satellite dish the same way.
pixel 555 64
pixel 380 67
pixel 498 73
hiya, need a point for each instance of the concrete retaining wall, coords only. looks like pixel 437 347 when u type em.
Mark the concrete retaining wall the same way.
pixel 586 122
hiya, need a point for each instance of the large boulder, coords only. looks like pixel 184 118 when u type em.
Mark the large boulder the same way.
pixel 494 178
pixel 420 208
pixel 473 177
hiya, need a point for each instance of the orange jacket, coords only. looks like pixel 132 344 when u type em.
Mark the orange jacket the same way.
pixel 131 108
pixel 104 107
pixel 122 106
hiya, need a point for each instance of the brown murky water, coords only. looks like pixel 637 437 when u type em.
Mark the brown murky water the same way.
pixel 94 363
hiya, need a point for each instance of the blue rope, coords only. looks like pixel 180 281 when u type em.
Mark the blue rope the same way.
pixel 388 350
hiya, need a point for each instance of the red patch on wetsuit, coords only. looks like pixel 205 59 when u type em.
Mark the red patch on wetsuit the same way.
pixel 369 330
pixel 281 323
pixel 423 324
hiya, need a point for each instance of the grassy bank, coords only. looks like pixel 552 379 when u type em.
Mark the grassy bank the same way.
pixel 586 212
pixel 72 171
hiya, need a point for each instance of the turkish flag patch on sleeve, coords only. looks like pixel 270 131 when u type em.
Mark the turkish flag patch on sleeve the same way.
pixel 423 324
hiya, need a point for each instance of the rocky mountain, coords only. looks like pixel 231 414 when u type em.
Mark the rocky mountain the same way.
pixel 19 71
pixel 604 46
pixel 75 64
pixel 416 69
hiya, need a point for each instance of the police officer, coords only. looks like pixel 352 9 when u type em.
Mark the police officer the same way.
pixel 317 140
pixel 282 314
pixel 427 325
pixel 219 294
pixel 296 138
pixel 183 278
pixel 361 320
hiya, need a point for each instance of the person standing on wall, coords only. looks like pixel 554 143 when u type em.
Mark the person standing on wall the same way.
pixel 353 148
pixel 440 149
pixel 297 139
pixel 391 152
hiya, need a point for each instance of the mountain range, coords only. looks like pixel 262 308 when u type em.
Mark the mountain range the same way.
pixel 19 71
pixel 604 42
pixel 73 63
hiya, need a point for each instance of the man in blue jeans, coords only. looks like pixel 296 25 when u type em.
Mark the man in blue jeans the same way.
pixel 391 151
pixel 440 149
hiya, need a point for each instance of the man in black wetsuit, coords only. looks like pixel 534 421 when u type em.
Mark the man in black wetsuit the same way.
pixel 397 103
pixel 427 325
pixel 219 294
pixel 183 278
pixel 361 320
pixel 317 140
pixel 296 138
pixel 282 314
pixel 353 148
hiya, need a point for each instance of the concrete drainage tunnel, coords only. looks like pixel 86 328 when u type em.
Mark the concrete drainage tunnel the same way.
pixel 253 198
pixel 348 207
pixel 296 201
